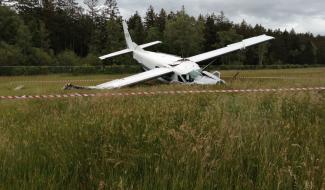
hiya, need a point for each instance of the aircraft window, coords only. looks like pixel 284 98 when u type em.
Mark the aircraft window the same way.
pixel 195 74
pixel 188 78
pixel 180 79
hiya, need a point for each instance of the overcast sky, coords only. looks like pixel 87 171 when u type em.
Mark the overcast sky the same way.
pixel 302 15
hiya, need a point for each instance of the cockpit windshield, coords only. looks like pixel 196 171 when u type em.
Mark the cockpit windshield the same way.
pixel 196 73
pixel 190 77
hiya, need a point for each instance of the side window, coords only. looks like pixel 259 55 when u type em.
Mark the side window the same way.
pixel 180 78
pixel 188 78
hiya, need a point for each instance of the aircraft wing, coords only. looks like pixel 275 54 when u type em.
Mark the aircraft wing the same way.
pixel 115 54
pixel 147 75
pixel 230 48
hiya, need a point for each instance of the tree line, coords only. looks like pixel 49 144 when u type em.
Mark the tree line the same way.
pixel 61 32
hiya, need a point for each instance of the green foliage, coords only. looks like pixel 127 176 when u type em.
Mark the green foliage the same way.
pixel 150 18
pixel 40 35
pixel 111 11
pixel 226 38
pixel 24 39
pixel 56 26
pixel 91 60
pixel 40 57
pixel 183 35
pixel 210 33
pixel 153 34
pixel 136 28
pixel 9 25
pixel 68 58
pixel 161 20
pixel 10 55
pixel 114 36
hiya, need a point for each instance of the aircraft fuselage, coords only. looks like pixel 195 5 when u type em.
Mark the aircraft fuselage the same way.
pixel 185 71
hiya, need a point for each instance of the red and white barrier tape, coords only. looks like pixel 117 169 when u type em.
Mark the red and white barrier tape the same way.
pixel 280 78
pixel 156 93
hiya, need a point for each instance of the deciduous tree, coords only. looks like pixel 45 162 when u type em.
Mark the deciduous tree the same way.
pixel 183 35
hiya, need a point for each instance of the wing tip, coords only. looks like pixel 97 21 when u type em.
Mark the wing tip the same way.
pixel 102 57
pixel 268 37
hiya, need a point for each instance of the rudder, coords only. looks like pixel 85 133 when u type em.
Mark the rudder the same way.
pixel 130 44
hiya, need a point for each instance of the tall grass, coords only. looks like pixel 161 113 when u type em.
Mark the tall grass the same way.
pixel 256 141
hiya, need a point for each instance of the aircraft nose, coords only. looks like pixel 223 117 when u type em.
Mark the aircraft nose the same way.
pixel 222 82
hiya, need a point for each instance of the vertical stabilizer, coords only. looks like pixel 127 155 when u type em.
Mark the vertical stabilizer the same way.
pixel 130 44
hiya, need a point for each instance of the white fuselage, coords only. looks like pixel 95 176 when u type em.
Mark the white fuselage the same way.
pixel 185 71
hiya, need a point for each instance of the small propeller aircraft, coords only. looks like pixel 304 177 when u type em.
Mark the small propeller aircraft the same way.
pixel 170 68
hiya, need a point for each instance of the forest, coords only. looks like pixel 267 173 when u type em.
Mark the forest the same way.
pixel 65 33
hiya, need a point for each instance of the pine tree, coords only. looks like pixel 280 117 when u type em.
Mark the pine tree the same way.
pixel 210 32
pixel 92 4
pixel 136 28
pixel 24 39
pixel 111 11
pixel 114 36
pixel 150 18
pixel 70 6
pixel 41 37
pixel 49 5
pixel 161 20
pixel 27 6
pixel 9 25
pixel 171 16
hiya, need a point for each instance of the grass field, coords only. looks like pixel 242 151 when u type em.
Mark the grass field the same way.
pixel 198 141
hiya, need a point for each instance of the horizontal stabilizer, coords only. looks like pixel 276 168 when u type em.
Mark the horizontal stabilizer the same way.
pixel 150 44
pixel 115 54
pixel 231 48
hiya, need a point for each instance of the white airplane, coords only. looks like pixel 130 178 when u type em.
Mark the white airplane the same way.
pixel 170 68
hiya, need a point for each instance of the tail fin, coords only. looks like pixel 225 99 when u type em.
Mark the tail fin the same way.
pixel 130 44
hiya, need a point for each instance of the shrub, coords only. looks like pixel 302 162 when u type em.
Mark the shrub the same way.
pixel 68 58
pixel 91 60
pixel 10 55
pixel 40 57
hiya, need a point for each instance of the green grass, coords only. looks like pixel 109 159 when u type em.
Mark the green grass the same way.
pixel 33 85
pixel 201 141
